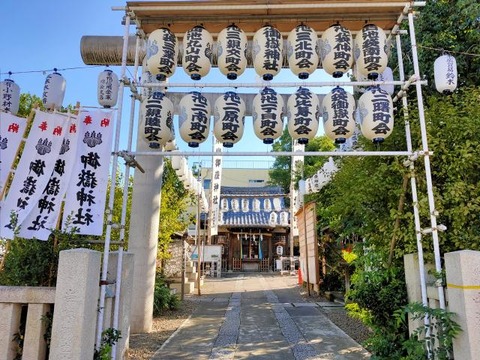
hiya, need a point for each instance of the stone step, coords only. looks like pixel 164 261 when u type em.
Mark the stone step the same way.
pixel 190 269
pixel 189 287
pixel 179 279
pixel 196 283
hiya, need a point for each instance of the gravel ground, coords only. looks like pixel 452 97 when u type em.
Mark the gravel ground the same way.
pixel 143 346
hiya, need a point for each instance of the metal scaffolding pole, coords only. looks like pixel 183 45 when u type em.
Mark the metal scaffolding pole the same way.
pixel 426 157
pixel 106 251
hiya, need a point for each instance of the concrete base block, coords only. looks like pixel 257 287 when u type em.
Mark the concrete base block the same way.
pixel 188 288
pixel 9 325
pixel 76 304
pixel 35 346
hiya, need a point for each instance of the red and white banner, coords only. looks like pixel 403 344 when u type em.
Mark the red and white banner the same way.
pixel 44 216
pixel 12 129
pixel 33 171
pixel 86 194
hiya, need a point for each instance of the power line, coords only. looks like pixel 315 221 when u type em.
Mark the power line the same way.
pixel 50 70
pixel 448 51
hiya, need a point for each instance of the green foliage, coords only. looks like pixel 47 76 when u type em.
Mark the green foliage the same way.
pixel 162 298
pixel 27 102
pixel 435 337
pixel 173 211
pixel 280 174
pixel 378 289
pixel 110 337
pixel 452 26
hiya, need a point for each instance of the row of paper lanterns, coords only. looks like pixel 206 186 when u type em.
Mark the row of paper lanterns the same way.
pixel 54 92
pixel 374 114
pixel 185 174
pixel 445 71
pixel 336 50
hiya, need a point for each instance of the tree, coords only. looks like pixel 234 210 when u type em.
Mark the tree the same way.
pixel 173 211
pixel 280 174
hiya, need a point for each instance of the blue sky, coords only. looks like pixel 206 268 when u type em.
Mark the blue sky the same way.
pixel 42 35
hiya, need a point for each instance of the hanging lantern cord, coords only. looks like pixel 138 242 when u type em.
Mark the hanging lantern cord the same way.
pixel 9 74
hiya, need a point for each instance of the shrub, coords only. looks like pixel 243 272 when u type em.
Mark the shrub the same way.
pixel 162 298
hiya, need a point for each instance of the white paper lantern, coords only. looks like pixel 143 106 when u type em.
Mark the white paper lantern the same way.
pixel 303 113
pixel 267 52
pixel 229 118
pixel 231 52
pixel 336 50
pixel 445 68
pixel 9 96
pixel 162 53
pixel 176 161
pixel 375 111
pixel 302 51
pixel 338 108
pixel 387 75
pixel 54 91
pixel 371 51
pixel 157 120
pixel 284 218
pixel 194 118
pixel 197 52
pixel 268 115
pixel 273 219
pixel 107 88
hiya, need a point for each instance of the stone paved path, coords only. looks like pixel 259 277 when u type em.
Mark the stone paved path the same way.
pixel 258 316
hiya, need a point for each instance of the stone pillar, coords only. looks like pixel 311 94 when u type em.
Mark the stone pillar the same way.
pixel 463 284
pixel 76 305
pixel 414 287
pixel 9 325
pixel 126 296
pixel 143 237
pixel 34 346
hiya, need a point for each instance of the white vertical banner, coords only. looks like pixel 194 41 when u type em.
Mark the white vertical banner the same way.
pixel 296 166
pixel 215 187
pixel 44 216
pixel 87 192
pixel 33 171
pixel 12 129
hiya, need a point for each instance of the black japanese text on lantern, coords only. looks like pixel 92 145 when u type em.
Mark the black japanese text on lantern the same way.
pixel 193 48
pixel 230 121
pixel 342 49
pixel 303 47
pixel 7 95
pixel 106 87
pixel 340 111
pixel 233 48
pixel 381 111
pixel 167 61
pixel 272 48
pixel 153 121
pixel 303 103
pixel 199 117
pixel 269 105
pixel 371 47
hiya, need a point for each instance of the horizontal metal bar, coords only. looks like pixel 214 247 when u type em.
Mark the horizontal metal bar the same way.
pixel 199 7
pixel 274 85
pixel 273 154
